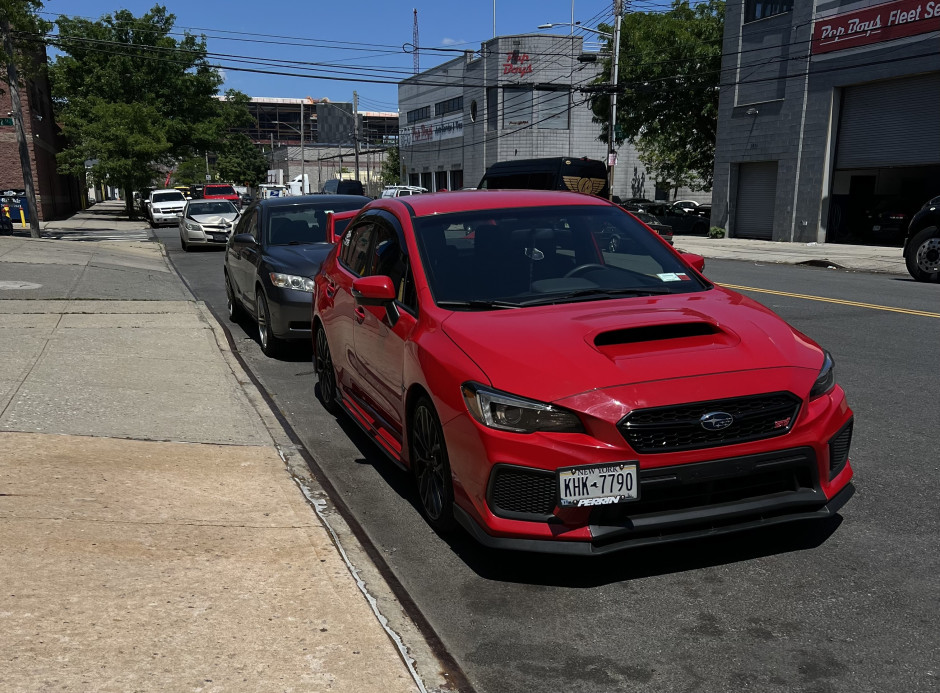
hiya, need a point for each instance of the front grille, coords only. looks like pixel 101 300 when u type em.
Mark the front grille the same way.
pixel 839 449
pixel 679 427
pixel 703 484
pixel 516 491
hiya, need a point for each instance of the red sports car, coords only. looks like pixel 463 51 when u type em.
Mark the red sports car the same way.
pixel 550 396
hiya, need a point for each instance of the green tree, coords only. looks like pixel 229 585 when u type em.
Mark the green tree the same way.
pixel 391 167
pixel 241 162
pixel 191 171
pixel 132 98
pixel 668 77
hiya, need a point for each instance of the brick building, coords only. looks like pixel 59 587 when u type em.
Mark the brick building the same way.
pixel 57 195
pixel 515 98
pixel 828 125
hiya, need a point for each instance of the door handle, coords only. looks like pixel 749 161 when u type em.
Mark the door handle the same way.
pixel 360 314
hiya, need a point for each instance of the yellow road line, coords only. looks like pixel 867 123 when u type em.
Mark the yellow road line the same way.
pixel 807 297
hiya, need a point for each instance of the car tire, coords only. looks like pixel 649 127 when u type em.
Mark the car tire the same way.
pixel 431 467
pixel 270 344
pixel 183 243
pixel 922 255
pixel 326 373
pixel 613 244
pixel 235 310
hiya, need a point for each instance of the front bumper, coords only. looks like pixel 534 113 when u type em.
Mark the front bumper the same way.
pixel 510 500
pixel 291 312
pixel 207 236
pixel 166 216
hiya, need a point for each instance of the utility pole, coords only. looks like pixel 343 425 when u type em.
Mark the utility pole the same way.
pixel 17 113
pixel 611 129
pixel 356 130
pixel 303 154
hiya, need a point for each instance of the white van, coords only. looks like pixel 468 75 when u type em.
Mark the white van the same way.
pixel 402 190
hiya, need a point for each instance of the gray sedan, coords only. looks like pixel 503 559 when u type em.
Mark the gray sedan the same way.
pixel 206 222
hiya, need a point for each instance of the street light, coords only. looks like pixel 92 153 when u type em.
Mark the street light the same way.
pixel 611 153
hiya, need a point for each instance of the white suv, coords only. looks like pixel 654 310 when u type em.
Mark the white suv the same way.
pixel 165 206
pixel 402 190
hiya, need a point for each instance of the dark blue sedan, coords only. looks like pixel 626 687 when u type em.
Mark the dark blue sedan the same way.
pixel 270 261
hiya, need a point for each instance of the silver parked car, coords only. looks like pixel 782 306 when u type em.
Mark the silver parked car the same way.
pixel 207 222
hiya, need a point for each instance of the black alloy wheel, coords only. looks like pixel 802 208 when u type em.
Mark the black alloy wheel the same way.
pixel 922 255
pixel 613 244
pixel 270 345
pixel 326 374
pixel 235 311
pixel 431 467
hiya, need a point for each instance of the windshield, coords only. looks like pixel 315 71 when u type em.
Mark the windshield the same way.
pixel 295 224
pixel 219 190
pixel 215 207
pixel 531 256
pixel 169 197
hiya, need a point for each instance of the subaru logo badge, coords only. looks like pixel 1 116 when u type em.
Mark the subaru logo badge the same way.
pixel 716 421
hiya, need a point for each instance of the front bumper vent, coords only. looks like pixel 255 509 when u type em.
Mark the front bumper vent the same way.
pixel 522 494
pixel 839 449
pixel 679 427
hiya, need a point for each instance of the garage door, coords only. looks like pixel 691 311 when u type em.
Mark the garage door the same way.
pixel 890 123
pixel 757 189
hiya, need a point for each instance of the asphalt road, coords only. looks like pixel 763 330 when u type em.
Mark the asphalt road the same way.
pixel 850 605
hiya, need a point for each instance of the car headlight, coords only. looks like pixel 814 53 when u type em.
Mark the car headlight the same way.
pixel 193 226
pixel 510 413
pixel 292 281
pixel 826 380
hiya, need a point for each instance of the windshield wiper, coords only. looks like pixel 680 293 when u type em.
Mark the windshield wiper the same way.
pixel 590 294
pixel 478 305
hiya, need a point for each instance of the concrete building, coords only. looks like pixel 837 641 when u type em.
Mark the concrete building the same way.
pixel 828 115
pixel 515 98
pixel 321 163
pixel 57 195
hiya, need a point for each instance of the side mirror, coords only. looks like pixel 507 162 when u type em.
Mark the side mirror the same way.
pixel 378 291
pixel 244 239
pixel 697 261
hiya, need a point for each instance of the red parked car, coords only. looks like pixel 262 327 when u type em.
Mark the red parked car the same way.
pixel 221 191
pixel 550 396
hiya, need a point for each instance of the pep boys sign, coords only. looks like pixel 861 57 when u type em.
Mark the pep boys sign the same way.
pixel 875 24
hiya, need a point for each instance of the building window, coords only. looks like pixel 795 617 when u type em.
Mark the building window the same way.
pixel 426 181
pixel 492 108
pixel 759 9
pixel 552 109
pixel 456 180
pixel 517 107
pixel 449 106
pixel 440 180
pixel 414 179
pixel 419 114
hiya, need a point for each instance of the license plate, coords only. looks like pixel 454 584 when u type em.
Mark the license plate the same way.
pixel 602 484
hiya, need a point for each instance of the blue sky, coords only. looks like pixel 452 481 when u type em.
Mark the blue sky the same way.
pixel 363 37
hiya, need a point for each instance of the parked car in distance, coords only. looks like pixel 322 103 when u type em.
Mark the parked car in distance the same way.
pixel 553 173
pixel 549 397
pixel 402 190
pixel 221 191
pixel 186 190
pixel 885 221
pixel 676 216
pixel 337 186
pixel 922 243
pixel 206 222
pixel 270 259
pixel 165 206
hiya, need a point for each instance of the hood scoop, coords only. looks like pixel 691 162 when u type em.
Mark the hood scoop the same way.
pixel 655 333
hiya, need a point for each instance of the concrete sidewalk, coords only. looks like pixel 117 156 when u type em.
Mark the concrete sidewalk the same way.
pixel 158 531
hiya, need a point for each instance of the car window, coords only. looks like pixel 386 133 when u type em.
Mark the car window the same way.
pixel 211 207
pixel 169 197
pixel 390 259
pixel 295 224
pixel 251 225
pixel 531 255
pixel 219 190
pixel 355 253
